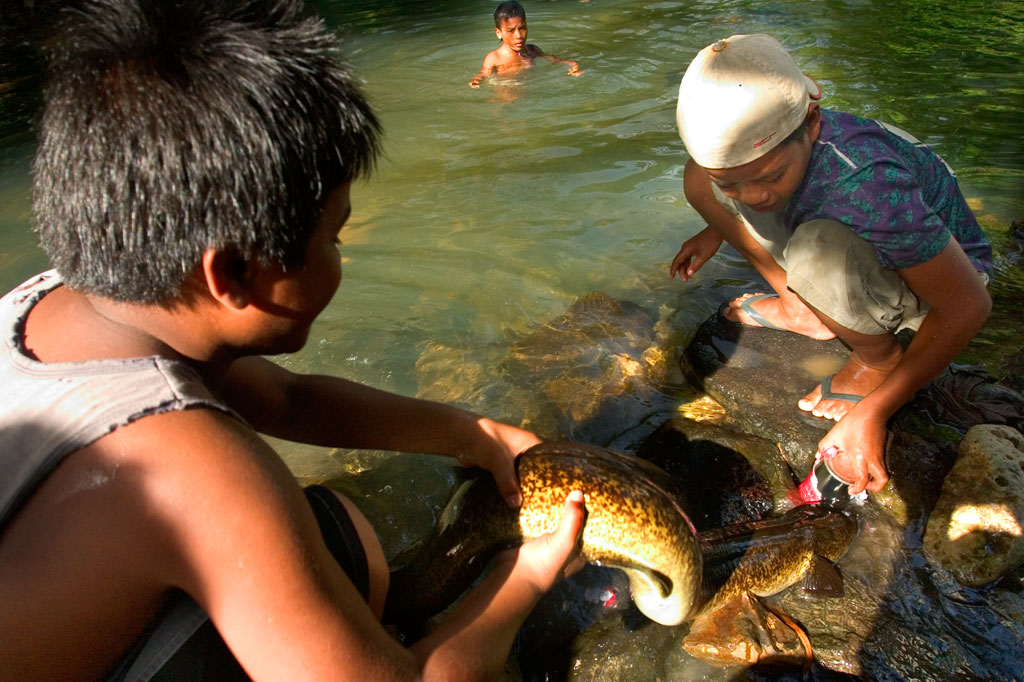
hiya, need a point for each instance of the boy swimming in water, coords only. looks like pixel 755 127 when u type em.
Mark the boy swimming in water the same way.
pixel 515 53
pixel 191 178
pixel 860 229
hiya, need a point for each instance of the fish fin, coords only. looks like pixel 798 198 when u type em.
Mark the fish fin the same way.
pixel 821 579
pixel 453 509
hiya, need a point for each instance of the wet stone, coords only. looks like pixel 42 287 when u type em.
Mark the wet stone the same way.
pixel 975 530
pixel 917 467
pixel 758 375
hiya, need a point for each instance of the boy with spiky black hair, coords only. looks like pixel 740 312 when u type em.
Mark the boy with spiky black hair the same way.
pixel 192 175
pixel 515 53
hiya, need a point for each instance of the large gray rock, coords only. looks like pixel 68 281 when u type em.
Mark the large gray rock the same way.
pixel 975 530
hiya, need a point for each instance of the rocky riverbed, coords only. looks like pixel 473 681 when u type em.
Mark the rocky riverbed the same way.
pixel 933 584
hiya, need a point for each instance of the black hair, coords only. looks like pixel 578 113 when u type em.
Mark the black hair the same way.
pixel 799 132
pixel 508 10
pixel 171 127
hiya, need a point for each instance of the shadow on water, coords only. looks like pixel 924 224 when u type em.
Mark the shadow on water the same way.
pixel 23 26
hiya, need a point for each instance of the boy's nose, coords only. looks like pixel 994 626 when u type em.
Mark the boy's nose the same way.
pixel 753 195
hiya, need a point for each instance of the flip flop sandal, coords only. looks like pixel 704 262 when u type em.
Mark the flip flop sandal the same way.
pixel 747 307
pixel 827 394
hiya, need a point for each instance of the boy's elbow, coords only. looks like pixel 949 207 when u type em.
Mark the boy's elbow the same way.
pixel 979 310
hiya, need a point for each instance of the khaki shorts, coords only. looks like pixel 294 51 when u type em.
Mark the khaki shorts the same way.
pixel 838 274
pixel 835 271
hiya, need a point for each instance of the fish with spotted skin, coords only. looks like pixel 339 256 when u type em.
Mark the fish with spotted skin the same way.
pixel 634 523
pixel 769 555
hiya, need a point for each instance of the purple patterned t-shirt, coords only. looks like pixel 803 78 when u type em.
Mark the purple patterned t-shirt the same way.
pixel 891 189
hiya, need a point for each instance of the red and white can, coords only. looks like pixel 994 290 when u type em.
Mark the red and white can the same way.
pixel 823 484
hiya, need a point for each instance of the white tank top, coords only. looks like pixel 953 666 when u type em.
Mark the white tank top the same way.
pixel 50 410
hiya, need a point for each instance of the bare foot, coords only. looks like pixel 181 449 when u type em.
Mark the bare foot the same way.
pixel 791 315
pixel 855 380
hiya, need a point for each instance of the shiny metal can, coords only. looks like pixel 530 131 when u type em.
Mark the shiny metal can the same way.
pixel 822 485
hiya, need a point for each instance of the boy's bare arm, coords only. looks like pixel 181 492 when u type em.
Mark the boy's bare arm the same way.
pixel 697 188
pixel 335 412
pixel 490 62
pixel 959 305
pixel 574 67
pixel 246 546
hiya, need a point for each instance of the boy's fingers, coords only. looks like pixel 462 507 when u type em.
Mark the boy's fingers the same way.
pixel 879 477
pixel 862 481
pixel 508 486
pixel 679 264
pixel 573 513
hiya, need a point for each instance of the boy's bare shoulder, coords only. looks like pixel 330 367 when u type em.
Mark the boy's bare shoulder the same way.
pixel 492 58
pixel 202 449
pixel 173 500
pixel 177 459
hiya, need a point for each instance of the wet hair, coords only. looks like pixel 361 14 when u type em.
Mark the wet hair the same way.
pixel 173 127
pixel 508 10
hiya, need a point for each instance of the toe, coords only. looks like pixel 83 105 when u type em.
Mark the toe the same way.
pixel 810 401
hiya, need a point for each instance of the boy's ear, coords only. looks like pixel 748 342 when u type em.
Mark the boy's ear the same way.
pixel 813 121
pixel 227 277
pixel 497 33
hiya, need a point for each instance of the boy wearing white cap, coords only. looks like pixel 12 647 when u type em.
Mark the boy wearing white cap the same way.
pixel 859 228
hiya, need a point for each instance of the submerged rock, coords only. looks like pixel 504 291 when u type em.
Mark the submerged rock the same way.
pixel 975 530
pixel 588 372
pixel 600 371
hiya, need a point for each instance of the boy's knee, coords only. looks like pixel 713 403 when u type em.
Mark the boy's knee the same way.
pixel 376 562
pixel 840 275
pixel 829 251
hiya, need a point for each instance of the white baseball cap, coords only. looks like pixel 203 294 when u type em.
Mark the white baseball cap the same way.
pixel 739 98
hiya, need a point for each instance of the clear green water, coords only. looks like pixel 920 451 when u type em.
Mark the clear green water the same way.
pixel 496 208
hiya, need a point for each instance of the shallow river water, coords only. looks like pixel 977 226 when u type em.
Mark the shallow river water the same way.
pixel 495 209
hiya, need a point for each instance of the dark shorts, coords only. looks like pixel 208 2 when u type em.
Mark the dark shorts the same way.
pixel 183 646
